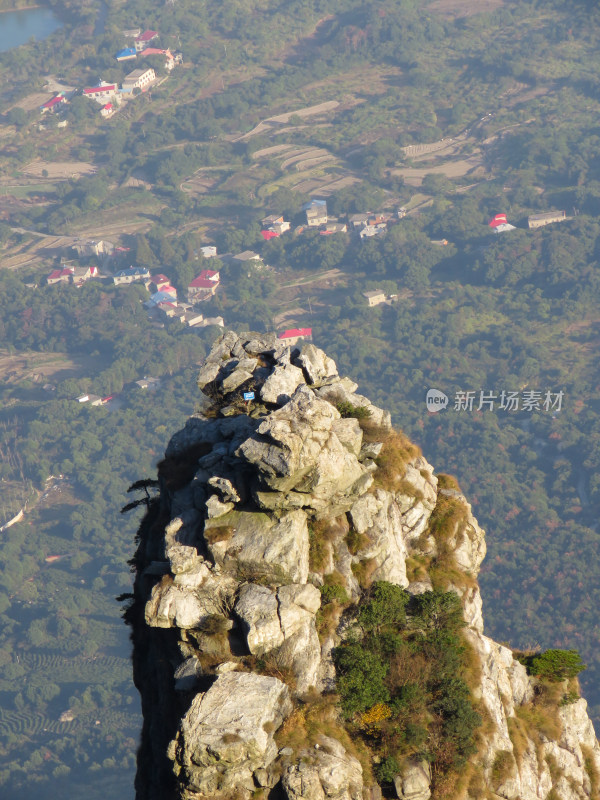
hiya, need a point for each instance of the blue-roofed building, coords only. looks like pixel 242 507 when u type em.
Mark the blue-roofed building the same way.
pixel 130 275
pixel 126 54
pixel 160 297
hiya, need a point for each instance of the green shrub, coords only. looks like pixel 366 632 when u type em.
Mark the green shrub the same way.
pixel 361 676
pixel 460 720
pixel 346 409
pixel 437 610
pixel 387 770
pixel 386 607
pixel 334 588
pixel 554 665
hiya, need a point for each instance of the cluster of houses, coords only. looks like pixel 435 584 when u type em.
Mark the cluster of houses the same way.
pixel 499 223
pixel 142 47
pixel 365 224
pixel 163 301
pixel 110 95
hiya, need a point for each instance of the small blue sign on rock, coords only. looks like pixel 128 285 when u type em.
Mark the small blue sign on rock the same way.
pixel 248 396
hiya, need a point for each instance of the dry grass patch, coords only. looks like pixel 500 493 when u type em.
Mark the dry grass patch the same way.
pixel 592 771
pixel 318 715
pixel 448 482
pixel 363 572
pixel 321 535
pixel 356 541
pixel 417 568
pixel 503 768
pixel 397 452
pixel 221 533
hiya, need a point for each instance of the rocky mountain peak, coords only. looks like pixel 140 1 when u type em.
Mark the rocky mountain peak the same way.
pixel 303 584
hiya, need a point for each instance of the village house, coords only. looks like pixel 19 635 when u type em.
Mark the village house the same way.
pixel 126 54
pixel 131 33
pixel 275 223
pixel 358 220
pixel 56 103
pixel 93 248
pixel 147 382
pixel 294 335
pixel 61 275
pixel 108 110
pixel 102 93
pixel 82 274
pixel 208 251
pixel 171 59
pixel 158 282
pixel 545 218
pixel 204 286
pixel 207 321
pixel 375 297
pixel 130 275
pixel 138 79
pixel 193 319
pixel 247 255
pixel 316 213
pixel 168 294
pixel 272 219
pixel 334 227
pixel 372 230
pixel 142 41
pixel 499 224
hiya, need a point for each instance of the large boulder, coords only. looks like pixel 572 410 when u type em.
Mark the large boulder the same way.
pixel 296 448
pixel 256 545
pixel 283 621
pixel 326 771
pixel 227 733
pixel 378 517
pixel 415 782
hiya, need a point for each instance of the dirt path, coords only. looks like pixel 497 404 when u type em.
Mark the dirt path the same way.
pixel 268 124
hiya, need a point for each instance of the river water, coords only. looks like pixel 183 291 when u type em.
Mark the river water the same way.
pixel 17 27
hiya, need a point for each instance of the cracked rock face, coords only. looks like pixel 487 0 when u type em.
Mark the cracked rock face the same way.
pixel 227 733
pixel 262 506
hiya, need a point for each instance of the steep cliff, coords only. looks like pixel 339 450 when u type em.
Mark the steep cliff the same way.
pixel 306 617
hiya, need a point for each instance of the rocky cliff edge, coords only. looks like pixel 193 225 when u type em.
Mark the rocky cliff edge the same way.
pixel 276 517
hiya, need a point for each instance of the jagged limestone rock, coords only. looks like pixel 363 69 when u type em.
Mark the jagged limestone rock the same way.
pixel 378 516
pixel 224 564
pixel 284 621
pixel 326 771
pixel 263 546
pixel 415 782
pixel 281 384
pixel 258 608
pixel 318 367
pixel 227 733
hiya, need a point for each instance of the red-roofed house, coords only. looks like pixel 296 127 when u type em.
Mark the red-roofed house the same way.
pixel 499 219
pixel 159 282
pixel 204 286
pixel 54 104
pixel 102 93
pixel 293 335
pixel 269 235
pixel 143 40
pixel 170 59
pixel 108 110
pixel 62 275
